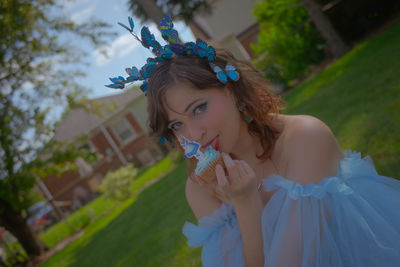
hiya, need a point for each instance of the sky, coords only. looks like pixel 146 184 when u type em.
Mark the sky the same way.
pixel 123 51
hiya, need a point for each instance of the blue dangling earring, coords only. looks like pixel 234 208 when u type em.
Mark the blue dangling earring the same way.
pixel 246 117
pixel 162 140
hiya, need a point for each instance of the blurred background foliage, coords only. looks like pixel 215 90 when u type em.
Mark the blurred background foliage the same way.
pixel 117 184
pixel 40 67
pixel 289 45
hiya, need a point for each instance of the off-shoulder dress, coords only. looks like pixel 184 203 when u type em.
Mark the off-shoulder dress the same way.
pixel 350 219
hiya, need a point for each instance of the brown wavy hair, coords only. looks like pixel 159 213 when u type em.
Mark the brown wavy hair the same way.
pixel 251 88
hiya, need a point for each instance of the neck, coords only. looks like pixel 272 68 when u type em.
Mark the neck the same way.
pixel 247 148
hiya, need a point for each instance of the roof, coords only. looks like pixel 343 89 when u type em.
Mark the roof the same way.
pixel 79 121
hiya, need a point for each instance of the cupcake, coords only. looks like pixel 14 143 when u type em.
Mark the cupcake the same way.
pixel 209 159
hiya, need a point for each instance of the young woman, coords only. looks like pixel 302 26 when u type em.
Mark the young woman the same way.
pixel 288 195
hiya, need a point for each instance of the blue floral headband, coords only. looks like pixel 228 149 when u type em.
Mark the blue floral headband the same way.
pixel 199 49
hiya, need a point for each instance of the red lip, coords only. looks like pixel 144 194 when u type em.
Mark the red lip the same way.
pixel 214 142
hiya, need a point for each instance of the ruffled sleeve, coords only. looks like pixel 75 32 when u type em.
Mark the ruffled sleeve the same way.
pixel 351 219
pixel 219 235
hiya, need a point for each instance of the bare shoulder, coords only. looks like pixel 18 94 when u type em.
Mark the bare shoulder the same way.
pixel 312 150
pixel 304 125
pixel 200 200
pixel 301 128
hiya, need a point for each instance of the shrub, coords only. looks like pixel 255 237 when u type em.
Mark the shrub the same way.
pixel 15 255
pixel 288 43
pixel 117 184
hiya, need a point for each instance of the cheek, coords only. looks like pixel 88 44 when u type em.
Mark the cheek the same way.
pixel 219 115
pixel 224 120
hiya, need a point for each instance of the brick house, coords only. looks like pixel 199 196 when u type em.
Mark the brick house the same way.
pixel 119 134
pixel 231 25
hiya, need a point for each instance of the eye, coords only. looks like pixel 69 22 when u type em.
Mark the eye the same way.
pixel 200 108
pixel 175 126
pixel 197 110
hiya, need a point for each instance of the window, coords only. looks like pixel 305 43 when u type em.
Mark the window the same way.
pixel 124 131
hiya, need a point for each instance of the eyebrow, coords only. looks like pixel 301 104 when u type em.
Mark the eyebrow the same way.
pixel 187 108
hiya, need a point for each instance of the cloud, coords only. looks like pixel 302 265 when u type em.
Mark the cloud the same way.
pixel 71 4
pixel 120 47
pixel 82 15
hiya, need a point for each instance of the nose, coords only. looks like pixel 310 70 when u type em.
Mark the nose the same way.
pixel 195 131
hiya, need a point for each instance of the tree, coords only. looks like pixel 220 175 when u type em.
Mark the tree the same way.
pixel 288 43
pixel 35 49
pixel 335 42
pixel 179 9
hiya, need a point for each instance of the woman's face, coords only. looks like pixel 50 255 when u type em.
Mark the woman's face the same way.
pixel 207 116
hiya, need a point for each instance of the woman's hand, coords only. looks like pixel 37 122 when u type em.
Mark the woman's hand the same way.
pixel 240 181
pixel 213 189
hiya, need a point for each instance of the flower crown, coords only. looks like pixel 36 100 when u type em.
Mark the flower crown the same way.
pixel 162 53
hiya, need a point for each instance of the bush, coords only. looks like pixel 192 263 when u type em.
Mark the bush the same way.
pixel 15 255
pixel 288 43
pixel 117 184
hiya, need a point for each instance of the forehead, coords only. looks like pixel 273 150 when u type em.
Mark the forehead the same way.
pixel 181 94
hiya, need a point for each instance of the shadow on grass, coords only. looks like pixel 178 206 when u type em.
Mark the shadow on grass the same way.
pixel 147 233
pixel 358 97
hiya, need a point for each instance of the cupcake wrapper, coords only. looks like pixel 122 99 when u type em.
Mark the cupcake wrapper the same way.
pixel 208 174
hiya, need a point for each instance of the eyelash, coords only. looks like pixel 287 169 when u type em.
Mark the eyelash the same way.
pixel 203 108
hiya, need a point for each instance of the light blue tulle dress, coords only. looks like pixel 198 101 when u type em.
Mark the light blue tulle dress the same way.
pixel 351 219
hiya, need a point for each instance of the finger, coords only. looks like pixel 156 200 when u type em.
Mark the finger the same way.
pixel 221 195
pixel 233 173
pixel 221 178
pixel 219 192
pixel 242 172
pixel 193 178
pixel 249 170
pixel 214 182
pixel 199 180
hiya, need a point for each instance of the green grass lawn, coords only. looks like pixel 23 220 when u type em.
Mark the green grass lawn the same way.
pixel 144 231
pixel 101 206
pixel 358 97
pixel 77 221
